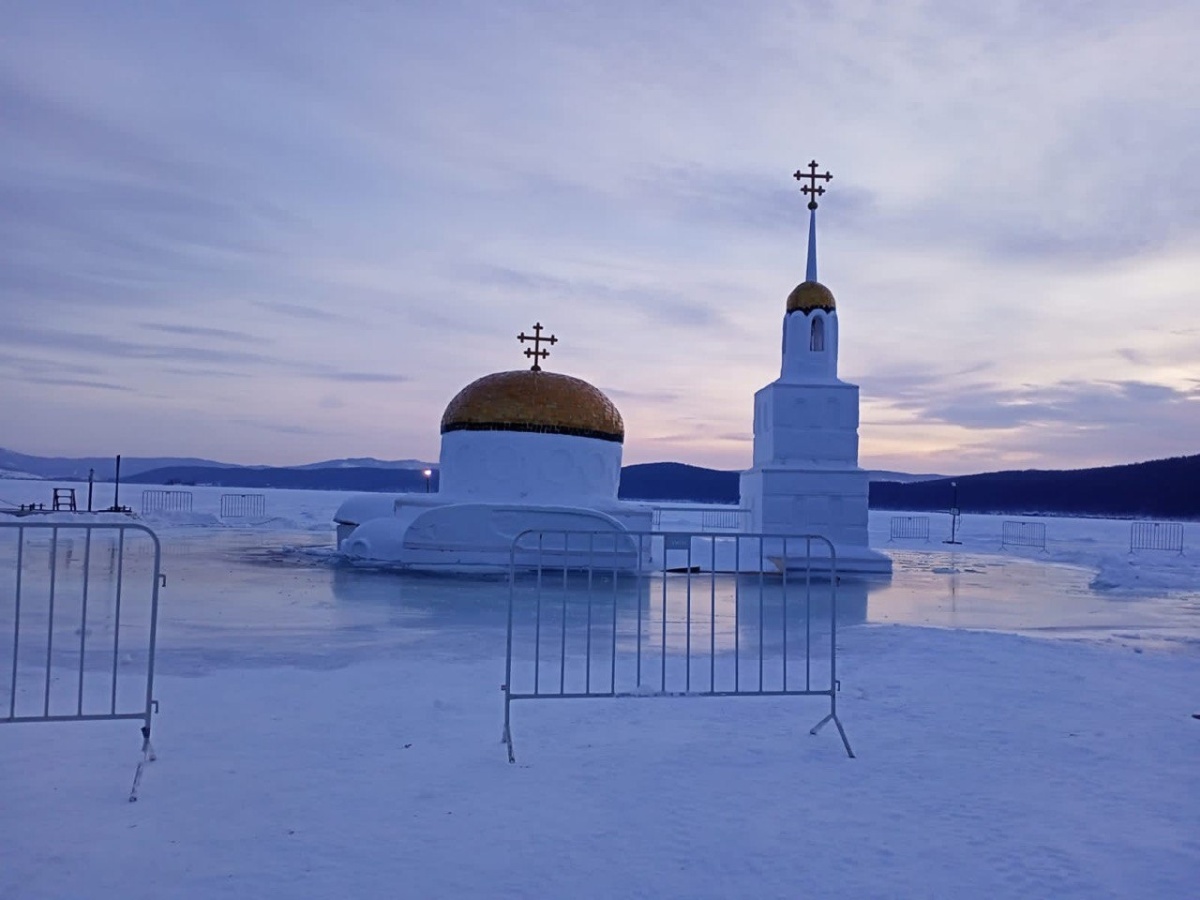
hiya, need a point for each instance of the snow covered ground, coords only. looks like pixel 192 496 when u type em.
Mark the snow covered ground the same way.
pixel 334 731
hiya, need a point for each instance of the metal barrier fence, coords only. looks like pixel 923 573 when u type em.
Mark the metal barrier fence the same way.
pixel 711 518
pixel 243 506
pixel 166 501
pixel 82 612
pixel 905 527
pixel 616 614
pixel 1156 536
pixel 1023 534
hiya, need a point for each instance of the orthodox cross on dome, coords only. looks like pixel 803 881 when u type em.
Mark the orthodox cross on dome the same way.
pixel 536 353
pixel 812 189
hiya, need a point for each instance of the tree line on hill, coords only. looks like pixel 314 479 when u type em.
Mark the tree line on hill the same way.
pixel 1164 488
pixel 1161 488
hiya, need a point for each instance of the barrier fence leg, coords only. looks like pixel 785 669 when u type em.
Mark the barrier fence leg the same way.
pixel 506 738
pixel 832 717
pixel 148 756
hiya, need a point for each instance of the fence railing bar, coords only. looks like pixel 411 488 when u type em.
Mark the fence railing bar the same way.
pixel 537 638
pixel 737 611
pixel 688 620
pixel 12 697
pixel 595 695
pixel 87 573
pixel 833 624
pixel 612 678
pixel 50 624
pixel 508 642
pixel 785 607
pixel 153 631
pixel 619 695
pixel 117 614
pixel 639 609
pixel 712 617
pixel 663 577
pixel 562 661
pixel 587 678
pixel 761 602
pixel 808 615
pixel 90 717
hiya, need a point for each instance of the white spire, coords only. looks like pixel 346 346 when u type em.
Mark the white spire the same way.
pixel 811 273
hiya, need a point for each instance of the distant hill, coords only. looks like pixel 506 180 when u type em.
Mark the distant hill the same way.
pixel 76 468
pixel 342 478
pixel 1165 488
pixel 21 465
pixel 678 482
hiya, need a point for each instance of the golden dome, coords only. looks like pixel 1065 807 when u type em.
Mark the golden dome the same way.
pixel 810 295
pixel 543 402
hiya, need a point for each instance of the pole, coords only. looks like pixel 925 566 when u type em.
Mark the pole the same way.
pixel 91 478
pixel 953 516
pixel 117 487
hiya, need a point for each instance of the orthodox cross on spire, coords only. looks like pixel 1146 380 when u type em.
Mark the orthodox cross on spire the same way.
pixel 812 189
pixel 536 353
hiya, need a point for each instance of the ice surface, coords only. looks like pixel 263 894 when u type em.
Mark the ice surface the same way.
pixel 332 730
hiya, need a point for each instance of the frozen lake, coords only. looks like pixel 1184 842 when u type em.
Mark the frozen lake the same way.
pixel 275 591
pixel 262 596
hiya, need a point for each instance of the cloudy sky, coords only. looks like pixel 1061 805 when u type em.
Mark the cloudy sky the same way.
pixel 282 232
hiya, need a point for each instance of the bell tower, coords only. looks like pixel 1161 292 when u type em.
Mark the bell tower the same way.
pixel 805 478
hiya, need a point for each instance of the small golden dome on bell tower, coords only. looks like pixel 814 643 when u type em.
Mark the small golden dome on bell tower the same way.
pixel 810 295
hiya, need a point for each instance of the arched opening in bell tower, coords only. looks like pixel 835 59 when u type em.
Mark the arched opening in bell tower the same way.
pixel 816 340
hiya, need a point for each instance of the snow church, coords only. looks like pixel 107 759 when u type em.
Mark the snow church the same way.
pixel 521 450
pixel 532 449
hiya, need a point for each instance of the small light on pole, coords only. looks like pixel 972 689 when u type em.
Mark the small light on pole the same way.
pixel 428 473
pixel 953 516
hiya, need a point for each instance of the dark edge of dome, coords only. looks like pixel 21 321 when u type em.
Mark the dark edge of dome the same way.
pixel 535 429
pixel 809 309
